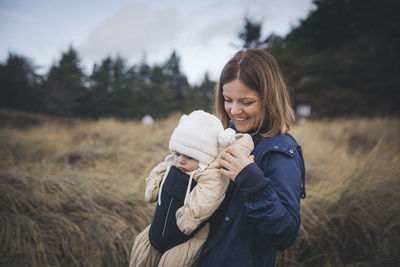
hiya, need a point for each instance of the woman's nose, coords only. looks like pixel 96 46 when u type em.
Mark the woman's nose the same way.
pixel 235 109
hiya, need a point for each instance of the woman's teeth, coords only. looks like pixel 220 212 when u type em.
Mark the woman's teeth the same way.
pixel 240 119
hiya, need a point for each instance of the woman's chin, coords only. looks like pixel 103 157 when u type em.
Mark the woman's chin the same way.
pixel 243 128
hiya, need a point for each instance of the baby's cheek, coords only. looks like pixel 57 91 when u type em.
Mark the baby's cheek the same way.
pixel 175 161
pixel 194 165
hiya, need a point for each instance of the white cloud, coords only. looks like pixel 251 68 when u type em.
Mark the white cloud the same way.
pixel 202 32
pixel 219 29
pixel 212 27
pixel 136 28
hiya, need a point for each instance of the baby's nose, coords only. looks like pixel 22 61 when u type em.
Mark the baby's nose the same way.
pixel 182 159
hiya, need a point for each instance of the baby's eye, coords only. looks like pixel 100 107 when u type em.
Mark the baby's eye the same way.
pixel 176 154
pixel 189 158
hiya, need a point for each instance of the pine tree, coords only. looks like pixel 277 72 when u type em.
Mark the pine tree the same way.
pixel 65 91
pixel 251 34
pixel 175 81
pixel 19 84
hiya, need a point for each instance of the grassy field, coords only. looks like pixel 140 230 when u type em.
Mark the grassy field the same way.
pixel 71 191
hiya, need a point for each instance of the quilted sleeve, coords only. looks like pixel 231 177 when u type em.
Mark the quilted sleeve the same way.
pixel 209 192
pixel 203 200
pixel 153 182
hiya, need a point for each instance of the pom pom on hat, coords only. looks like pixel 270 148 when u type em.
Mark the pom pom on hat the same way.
pixel 226 138
pixel 197 136
pixel 183 118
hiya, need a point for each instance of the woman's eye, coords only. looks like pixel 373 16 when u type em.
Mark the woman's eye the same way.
pixel 247 103
pixel 227 100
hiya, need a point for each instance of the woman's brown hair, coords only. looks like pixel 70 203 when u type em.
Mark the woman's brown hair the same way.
pixel 258 70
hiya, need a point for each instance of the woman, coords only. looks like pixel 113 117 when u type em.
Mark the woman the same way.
pixel 261 211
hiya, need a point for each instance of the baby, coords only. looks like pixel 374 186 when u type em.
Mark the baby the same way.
pixel 188 189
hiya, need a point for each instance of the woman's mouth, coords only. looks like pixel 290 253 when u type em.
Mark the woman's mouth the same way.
pixel 240 119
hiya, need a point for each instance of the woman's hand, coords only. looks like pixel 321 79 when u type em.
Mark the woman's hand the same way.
pixel 233 161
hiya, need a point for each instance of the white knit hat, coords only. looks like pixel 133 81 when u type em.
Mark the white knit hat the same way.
pixel 201 136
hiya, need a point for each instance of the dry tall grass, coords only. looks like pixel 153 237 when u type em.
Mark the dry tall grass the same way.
pixel 71 193
pixel 351 215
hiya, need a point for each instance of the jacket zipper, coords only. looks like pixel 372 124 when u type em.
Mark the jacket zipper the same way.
pixel 166 219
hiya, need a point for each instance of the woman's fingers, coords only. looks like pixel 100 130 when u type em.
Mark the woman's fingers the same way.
pixel 228 156
pixel 230 174
pixel 233 161
pixel 224 163
pixel 233 152
pixel 224 171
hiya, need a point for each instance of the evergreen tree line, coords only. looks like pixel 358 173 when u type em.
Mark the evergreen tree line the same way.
pixel 342 59
pixel 112 89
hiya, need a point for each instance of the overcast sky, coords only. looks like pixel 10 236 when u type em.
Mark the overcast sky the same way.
pixel 202 31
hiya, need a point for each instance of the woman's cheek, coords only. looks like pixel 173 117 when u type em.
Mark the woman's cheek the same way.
pixel 227 108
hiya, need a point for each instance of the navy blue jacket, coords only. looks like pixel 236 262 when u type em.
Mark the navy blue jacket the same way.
pixel 261 211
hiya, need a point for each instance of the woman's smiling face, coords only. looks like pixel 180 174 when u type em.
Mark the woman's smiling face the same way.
pixel 243 105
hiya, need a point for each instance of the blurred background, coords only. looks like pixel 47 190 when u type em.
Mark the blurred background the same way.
pixel 90 92
pixel 131 58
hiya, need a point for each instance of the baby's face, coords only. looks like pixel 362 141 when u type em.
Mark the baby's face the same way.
pixel 185 163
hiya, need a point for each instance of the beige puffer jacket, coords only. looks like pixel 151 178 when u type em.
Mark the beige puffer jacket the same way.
pixel 206 196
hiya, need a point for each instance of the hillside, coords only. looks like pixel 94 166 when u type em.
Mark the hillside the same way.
pixel 71 193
